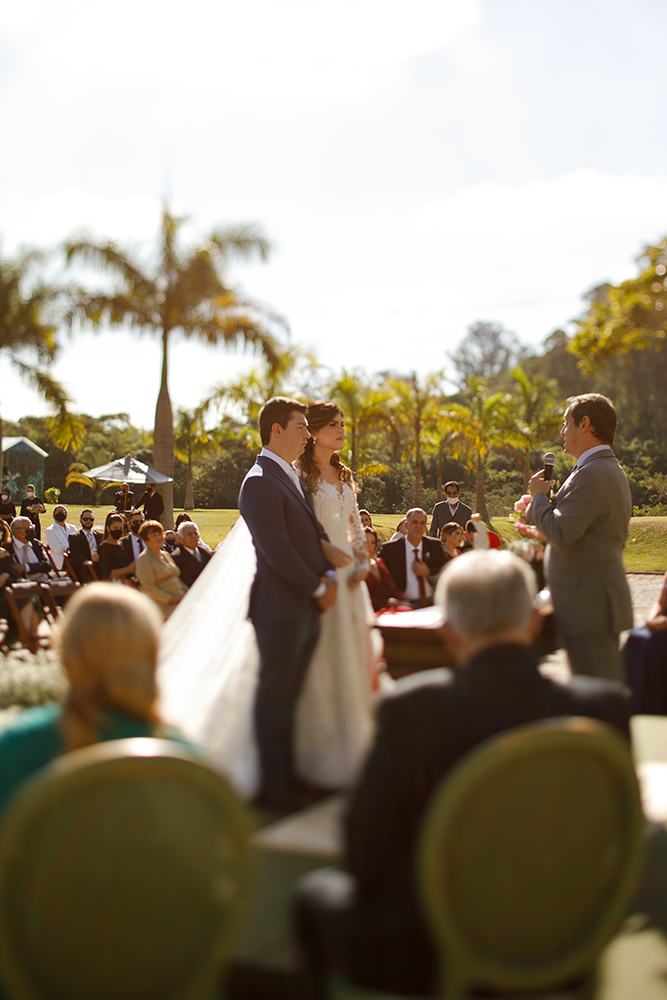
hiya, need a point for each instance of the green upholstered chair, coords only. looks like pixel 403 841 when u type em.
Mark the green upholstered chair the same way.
pixel 529 855
pixel 124 868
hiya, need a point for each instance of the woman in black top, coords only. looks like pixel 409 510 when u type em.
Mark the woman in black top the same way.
pixel 7 508
pixel 113 564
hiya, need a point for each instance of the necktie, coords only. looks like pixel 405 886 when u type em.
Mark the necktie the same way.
pixel 420 581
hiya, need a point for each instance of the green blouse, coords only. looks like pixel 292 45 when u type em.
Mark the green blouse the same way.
pixel 34 740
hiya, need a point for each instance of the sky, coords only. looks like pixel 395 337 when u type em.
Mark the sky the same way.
pixel 417 166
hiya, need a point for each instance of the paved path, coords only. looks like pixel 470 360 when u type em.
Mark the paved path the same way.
pixel 644 587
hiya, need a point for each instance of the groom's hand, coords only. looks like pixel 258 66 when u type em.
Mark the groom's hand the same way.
pixel 328 599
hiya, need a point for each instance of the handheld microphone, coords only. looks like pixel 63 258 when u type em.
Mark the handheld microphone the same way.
pixel 549 462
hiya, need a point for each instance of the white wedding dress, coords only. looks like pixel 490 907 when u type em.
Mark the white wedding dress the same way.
pixel 209 662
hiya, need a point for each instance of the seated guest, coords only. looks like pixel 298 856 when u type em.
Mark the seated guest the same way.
pixel 27 551
pixel 32 506
pixel 182 517
pixel 401 529
pixel 170 540
pixel 58 535
pixel 382 588
pixel 108 644
pixel 132 544
pixel 366 519
pixel 124 499
pixel 11 572
pixel 152 503
pixel 157 572
pixel 84 546
pixel 7 508
pixel 191 555
pixel 451 509
pixel 114 563
pixel 368 921
pixel 645 660
pixel 452 538
pixel 415 561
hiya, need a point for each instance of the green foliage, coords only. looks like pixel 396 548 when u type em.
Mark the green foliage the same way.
pixel 52 495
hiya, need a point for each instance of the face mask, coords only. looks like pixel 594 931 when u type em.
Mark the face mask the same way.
pixel 30 493
pixel 29 534
pixel 60 516
pixel 115 532
pixel 5 496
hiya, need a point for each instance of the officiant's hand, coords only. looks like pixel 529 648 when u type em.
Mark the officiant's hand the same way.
pixel 337 557
pixel 327 600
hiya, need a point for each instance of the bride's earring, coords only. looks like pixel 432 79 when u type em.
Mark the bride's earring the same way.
pixel 314 438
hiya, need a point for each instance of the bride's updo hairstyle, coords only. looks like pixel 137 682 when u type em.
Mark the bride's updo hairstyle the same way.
pixel 318 415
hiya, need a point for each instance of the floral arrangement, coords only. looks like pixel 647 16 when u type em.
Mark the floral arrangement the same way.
pixel 531 546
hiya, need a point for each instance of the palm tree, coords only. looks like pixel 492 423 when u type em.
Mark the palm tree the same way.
pixel 418 407
pixel 538 415
pixel 365 409
pixel 191 441
pixel 185 291
pixel 28 335
pixel 484 425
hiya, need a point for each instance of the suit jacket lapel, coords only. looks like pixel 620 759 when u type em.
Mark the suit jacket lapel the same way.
pixel 274 470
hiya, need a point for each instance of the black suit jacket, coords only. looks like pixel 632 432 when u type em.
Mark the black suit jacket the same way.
pixel 79 553
pixel 189 566
pixel 431 721
pixel 287 536
pixel 394 554
pixel 153 505
pixel 442 516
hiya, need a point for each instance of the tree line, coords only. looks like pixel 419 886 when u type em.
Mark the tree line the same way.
pixel 407 433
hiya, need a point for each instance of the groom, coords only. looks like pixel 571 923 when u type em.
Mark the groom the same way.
pixel 293 585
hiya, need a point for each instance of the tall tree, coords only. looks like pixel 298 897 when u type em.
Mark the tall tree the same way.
pixel 487 349
pixel 28 326
pixel 365 407
pixel 180 290
pixel 417 405
pixel 536 414
pixel 191 441
pixel 482 425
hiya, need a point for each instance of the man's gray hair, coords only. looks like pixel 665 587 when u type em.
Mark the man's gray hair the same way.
pixel 20 522
pixel 414 510
pixel 185 524
pixel 484 594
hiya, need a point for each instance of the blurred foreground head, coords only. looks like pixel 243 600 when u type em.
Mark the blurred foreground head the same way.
pixel 108 644
pixel 487 598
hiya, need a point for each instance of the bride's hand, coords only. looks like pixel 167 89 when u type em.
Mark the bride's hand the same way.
pixel 359 574
pixel 337 557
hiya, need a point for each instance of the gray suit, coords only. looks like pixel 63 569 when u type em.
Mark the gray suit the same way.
pixel 442 515
pixel 586 525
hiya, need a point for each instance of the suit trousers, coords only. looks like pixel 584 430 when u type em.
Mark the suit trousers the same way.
pixel 596 655
pixel 285 651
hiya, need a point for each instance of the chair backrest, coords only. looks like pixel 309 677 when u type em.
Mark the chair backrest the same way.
pixel 529 854
pixel 123 873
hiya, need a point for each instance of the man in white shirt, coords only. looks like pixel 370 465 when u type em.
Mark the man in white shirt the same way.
pixel 58 535
pixel 586 525
pixel 451 509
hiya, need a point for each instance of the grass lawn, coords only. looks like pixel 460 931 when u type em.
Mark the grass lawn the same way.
pixel 646 549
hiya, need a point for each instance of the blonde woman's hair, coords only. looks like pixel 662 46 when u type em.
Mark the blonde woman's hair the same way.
pixel 108 644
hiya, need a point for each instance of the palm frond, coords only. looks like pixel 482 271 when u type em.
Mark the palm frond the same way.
pixel 243 241
pixel 65 427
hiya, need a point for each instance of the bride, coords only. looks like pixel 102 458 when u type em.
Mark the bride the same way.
pixel 209 661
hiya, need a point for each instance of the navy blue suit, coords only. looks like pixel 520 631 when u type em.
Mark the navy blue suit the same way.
pixel 286 535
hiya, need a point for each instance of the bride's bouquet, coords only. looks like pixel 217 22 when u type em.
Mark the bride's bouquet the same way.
pixel 532 545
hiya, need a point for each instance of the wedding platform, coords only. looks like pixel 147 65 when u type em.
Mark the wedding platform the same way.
pixel 634 965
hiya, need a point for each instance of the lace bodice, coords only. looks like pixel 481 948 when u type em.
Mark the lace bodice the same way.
pixel 338 514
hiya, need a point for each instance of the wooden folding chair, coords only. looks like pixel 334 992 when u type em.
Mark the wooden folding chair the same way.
pixel 27 591
pixel 124 872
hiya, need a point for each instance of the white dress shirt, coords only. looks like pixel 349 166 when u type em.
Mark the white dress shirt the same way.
pixel 137 546
pixel 25 552
pixel 411 578
pixel 57 538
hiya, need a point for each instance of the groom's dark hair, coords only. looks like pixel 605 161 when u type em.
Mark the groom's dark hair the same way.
pixel 277 411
